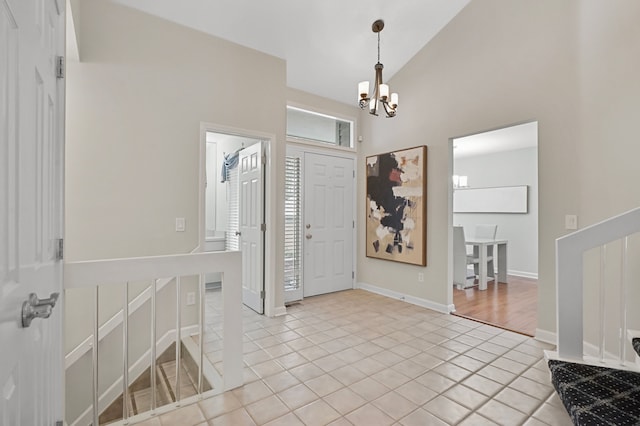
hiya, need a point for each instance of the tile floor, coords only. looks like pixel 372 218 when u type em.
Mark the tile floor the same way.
pixel 357 358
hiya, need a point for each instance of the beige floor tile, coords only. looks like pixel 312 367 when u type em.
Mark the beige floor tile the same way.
pixel 350 355
pixel 531 388
pixel 369 389
pixel 518 400
pixel 482 385
pixel 467 363
pixel 501 413
pixel 509 365
pixel 267 368
pixel 390 378
pixel 291 360
pixel 323 385
pixel 416 392
pixel 395 405
pixel 340 422
pixel 347 375
pixel 452 371
pixel 306 371
pixel 466 396
pixel 187 416
pixel 154 421
pixel 288 419
pixel 219 404
pixel 410 368
pixel 421 417
pixel 317 413
pixel 238 417
pixel 553 415
pixel 369 366
pixel 345 400
pixel 267 409
pixel 476 419
pixel 539 376
pixel 369 415
pixel 445 409
pixel 281 381
pixel 252 392
pixel 435 381
pixel 499 375
pixel 297 396
pixel 329 363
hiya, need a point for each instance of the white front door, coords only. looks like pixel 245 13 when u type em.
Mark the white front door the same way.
pixel 31 170
pixel 251 220
pixel 328 223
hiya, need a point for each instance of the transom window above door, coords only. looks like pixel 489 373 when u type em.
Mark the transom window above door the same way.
pixel 315 127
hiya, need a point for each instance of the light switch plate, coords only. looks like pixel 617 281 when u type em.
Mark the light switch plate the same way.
pixel 571 221
pixel 180 224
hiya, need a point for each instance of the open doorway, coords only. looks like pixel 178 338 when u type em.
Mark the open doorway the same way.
pixel 495 189
pixel 234 208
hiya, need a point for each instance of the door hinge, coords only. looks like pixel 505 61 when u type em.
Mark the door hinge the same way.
pixel 262 295
pixel 353 275
pixel 59 249
pixel 264 160
pixel 263 227
pixel 59 66
pixel 59 423
pixel 353 224
pixel 354 173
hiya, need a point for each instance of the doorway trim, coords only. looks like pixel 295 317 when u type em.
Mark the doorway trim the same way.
pixel 270 212
pixel 450 170
pixel 301 148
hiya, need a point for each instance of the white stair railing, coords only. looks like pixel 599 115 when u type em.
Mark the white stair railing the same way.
pixel 108 276
pixel 570 254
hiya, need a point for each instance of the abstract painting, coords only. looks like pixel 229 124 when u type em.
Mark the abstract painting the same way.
pixel 397 206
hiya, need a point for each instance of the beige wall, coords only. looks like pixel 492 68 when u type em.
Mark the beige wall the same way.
pixel 569 65
pixel 134 107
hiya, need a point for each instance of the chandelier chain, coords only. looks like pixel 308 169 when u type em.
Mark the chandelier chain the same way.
pixel 378 46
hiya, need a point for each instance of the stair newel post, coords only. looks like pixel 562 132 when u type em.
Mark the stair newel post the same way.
pixel 201 338
pixel 178 338
pixel 152 371
pixel 125 354
pixel 624 280
pixel 94 355
pixel 602 310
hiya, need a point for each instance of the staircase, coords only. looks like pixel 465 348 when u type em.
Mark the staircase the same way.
pixel 596 368
pixel 139 395
pixel 595 395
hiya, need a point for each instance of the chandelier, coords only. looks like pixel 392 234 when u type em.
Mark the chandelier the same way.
pixel 381 90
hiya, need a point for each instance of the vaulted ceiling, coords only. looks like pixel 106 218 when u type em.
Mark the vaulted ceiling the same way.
pixel 328 45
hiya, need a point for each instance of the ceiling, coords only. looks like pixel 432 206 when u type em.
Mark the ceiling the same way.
pixel 506 139
pixel 328 45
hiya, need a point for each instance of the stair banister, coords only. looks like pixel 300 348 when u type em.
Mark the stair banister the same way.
pixel 569 276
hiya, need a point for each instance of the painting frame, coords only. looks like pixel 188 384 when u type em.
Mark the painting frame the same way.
pixel 396 206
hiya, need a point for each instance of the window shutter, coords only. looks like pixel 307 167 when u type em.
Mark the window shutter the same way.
pixel 292 224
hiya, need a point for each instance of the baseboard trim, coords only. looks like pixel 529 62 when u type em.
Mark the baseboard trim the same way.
pixel 279 311
pixel 546 336
pixel 439 307
pixel 523 274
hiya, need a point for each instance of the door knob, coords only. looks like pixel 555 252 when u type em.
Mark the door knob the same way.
pixel 37 308
pixel 308 226
pixel 308 236
pixel 238 233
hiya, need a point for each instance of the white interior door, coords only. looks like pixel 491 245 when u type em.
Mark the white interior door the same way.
pixel 31 159
pixel 251 219
pixel 328 223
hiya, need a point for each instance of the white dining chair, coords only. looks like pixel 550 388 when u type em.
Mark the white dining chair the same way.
pixel 460 259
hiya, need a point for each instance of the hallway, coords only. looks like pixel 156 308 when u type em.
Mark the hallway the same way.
pixel 359 358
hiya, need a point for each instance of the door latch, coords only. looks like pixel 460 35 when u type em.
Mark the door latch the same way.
pixel 37 308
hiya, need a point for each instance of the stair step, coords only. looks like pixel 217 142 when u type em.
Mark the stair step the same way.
pixel 635 342
pixel 596 395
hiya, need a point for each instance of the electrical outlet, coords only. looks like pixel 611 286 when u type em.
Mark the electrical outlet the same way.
pixel 420 277
pixel 191 298
pixel 180 224
pixel 571 221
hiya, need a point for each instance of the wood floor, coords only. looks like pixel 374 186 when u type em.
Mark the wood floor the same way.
pixel 512 306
